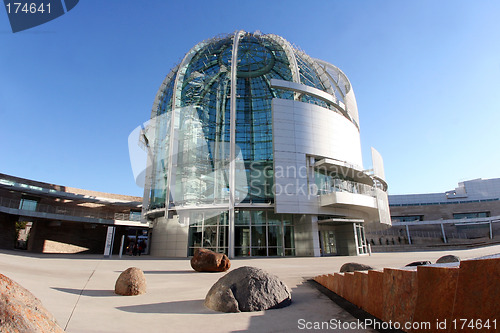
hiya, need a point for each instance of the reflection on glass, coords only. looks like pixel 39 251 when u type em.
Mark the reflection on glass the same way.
pixel 289 238
pixel 242 217
pixel 208 231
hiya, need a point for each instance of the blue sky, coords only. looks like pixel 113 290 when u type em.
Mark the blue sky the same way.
pixel 426 76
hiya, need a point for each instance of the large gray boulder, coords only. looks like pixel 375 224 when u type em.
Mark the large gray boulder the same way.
pixel 354 267
pixel 22 312
pixel 248 289
pixel 131 282
pixel 447 259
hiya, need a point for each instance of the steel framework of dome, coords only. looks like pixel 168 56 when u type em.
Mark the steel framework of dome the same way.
pixel 216 147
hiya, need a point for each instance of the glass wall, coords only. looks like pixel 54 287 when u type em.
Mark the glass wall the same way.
pixel 202 128
pixel 158 136
pixel 258 233
pixel 208 230
pixel 263 233
pixel 259 61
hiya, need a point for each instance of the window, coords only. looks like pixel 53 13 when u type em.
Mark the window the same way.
pixel 208 230
pixel 28 204
pixel 409 218
pixel 471 215
pixel 135 215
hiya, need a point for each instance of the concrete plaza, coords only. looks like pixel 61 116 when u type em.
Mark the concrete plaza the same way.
pixel 79 291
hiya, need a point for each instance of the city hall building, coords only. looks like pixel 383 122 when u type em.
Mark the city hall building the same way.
pixel 254 150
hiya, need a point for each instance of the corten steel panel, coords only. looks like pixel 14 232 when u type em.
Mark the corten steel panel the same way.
pixel 400 295
pixel 336 283
pixel 329 282
pixel 340 283
pixel 348 286
pixel 361 288
pixel 436 295
pixel 375 302
pixel 478 294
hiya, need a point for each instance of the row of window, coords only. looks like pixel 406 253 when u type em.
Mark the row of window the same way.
pixel 413 218
pixel 442 203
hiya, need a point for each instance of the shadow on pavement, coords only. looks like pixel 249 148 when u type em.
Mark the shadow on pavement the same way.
pixel 90 293
pixel 308 305
pixel 170 272
pixel 178 307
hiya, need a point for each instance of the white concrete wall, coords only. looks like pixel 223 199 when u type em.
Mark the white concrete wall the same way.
pixel 306 237
pixel 346 244
pixel 301 129
pixel 169 238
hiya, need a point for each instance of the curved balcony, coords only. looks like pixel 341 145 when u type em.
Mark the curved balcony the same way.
pixel 344 193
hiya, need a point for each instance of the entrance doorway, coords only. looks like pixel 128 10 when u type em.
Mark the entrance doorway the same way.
pixel 328 243
pixel 341 238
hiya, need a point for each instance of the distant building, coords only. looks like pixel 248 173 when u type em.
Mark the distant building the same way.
pixel 254 150
pixel 48 218
pixel 470 211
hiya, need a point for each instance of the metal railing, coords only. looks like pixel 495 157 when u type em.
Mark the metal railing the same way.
pixel 416 233
pixel 340 185
pixel 91 213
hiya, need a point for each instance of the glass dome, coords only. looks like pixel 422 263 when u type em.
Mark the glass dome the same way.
pixel 220 77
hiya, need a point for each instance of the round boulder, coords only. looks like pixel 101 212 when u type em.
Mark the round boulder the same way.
pixel 447 259
pixel 419 263
pixel 354 267
pixel 131 282
pixel 209 261
pixel 20 311
pixel 248 289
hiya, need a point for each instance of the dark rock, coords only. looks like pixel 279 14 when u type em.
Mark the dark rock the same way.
pixel 248 289
pixel 447 259
pixel 354 267
pixel 20 311
pixel 209 261
pixel 418 263
pixel 131 282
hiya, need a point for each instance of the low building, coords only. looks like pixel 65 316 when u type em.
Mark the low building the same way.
pixel 48 218
pixel 469 212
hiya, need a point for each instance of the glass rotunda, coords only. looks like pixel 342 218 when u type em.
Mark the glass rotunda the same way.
pixel 253 150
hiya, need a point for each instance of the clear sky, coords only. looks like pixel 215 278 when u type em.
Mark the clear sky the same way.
pixel 426 76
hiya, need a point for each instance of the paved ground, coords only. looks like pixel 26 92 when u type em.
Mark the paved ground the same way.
pixel 78 290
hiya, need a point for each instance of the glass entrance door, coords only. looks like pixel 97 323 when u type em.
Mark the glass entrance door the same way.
pixel 328 243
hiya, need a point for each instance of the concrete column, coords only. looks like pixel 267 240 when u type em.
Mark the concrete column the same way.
pixel 444 235
pixel 356 239
pixel 408 234
pixel 315 236
pixel 232 142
